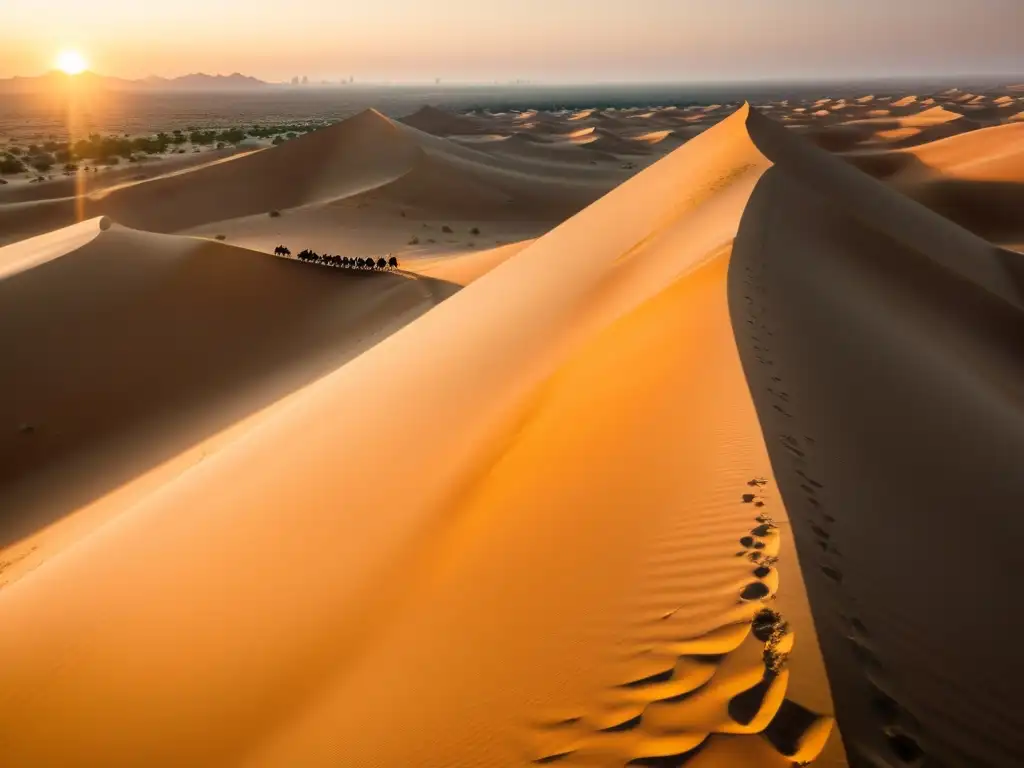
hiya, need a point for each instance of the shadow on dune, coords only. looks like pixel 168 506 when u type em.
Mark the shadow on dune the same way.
pixel 989 209
pixel 135 347
pixel 881 344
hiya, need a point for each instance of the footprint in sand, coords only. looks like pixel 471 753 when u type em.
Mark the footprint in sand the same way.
pixel 885 707
pixel 864 655
pixel 810 480
pixel 792 448
pixel 755 590
pixel 905 748
pixel 833 574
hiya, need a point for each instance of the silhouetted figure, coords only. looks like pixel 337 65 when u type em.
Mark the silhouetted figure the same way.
pixel 361 263
pixel 393 262
pixel 381 263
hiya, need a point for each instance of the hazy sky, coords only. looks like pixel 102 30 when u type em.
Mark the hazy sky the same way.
pixel 542 40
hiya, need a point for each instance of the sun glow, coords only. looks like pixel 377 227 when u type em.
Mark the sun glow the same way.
pixel 71 62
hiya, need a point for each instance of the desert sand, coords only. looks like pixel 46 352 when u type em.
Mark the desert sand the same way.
pixel 549 492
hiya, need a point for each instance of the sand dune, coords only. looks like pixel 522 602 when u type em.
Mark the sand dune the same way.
pixel 355 155
pixel 213 333
pixel 288 516
pixel 364 153
pixel 975 179
pixel 441 123
pixel 85 182
pixel 360 566
pixel 920 673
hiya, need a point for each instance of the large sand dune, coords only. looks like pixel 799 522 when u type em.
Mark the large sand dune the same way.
pixel 363 153
pixel 123 349
pixel 976 179
pixel 883 344
pixel 538 523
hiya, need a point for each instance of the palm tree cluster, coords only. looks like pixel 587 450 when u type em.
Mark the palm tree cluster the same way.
pixel 343 262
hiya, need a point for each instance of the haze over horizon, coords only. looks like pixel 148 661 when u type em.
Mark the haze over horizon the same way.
pixel 564 41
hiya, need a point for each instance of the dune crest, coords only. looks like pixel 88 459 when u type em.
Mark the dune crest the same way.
pixel 42 248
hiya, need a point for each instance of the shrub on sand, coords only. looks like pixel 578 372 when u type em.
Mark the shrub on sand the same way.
pixel 11 165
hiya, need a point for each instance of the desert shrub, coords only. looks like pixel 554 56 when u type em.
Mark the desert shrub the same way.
pixel 221 145
pixel 381 263
pixel 221 237
pixel 475 231
pixel 16 151
pixel 203 138
pixel 70 168
pixel 11 165
pixel 446 229
pixel 232 136
pixel 277 141
pixel 393 262
pixel 42 162
pixel 274 214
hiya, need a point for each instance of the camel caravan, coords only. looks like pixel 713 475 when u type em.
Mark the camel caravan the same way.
pixel 343 262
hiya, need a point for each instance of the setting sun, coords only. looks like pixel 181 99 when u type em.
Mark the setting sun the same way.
pixel 71 62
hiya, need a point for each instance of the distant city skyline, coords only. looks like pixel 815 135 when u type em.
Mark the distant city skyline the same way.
pixel 557 41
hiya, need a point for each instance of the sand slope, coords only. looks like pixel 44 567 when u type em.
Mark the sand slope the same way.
pixel 976 179
pixel 882 345
pixel 123 348
pixel 458 526
pixel 363 153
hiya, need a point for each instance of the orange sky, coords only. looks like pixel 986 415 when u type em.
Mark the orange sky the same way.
pixel 547 40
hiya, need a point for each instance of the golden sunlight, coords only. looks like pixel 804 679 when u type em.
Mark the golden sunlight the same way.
pixel 71 62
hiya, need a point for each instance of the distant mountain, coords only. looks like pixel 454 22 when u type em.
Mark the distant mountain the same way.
pixel 199 81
